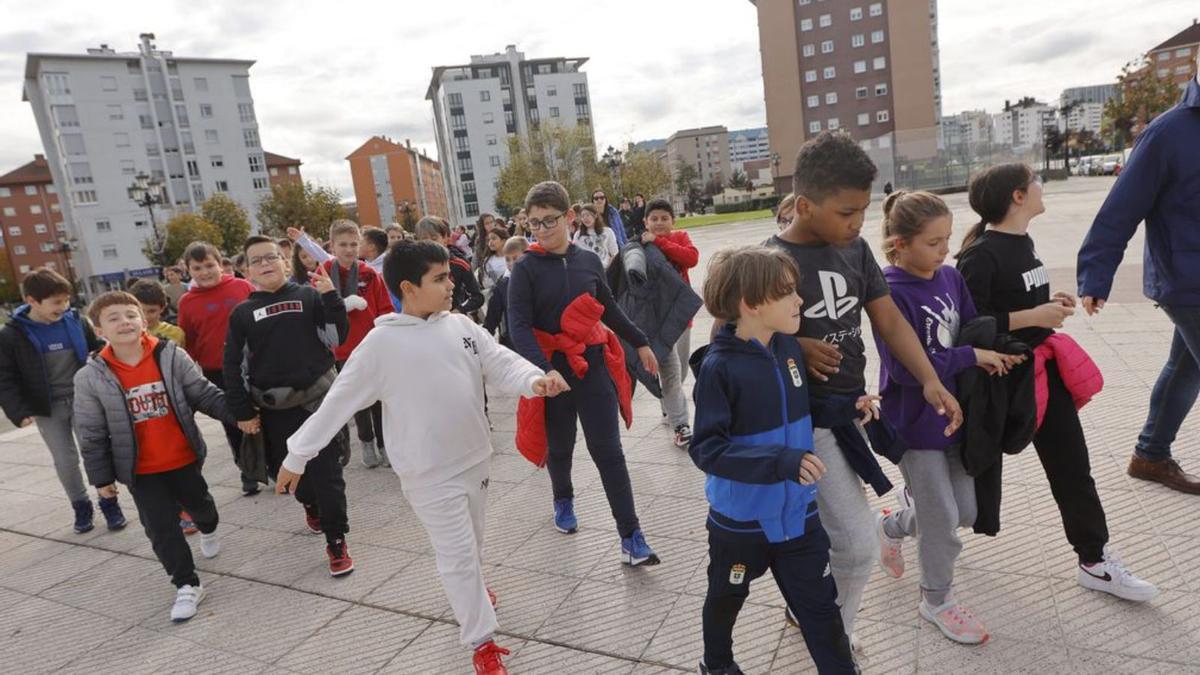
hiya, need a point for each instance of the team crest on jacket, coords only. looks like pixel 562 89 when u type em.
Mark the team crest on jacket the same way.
pixel 795 371
pixel 737 574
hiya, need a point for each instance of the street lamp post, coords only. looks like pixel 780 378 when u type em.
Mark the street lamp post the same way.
pixel 147 192
pixel 66 247
pixel 612 158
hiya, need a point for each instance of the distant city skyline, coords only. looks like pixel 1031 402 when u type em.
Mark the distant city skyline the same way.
pixel 326 78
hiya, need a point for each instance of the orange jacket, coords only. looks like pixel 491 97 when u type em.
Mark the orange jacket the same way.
pixel 581 328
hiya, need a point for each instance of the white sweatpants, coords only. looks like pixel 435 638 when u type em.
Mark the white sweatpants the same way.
pixel 847 518
pixel 453 513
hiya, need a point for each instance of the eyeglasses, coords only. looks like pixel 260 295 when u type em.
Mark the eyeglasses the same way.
pixel 267 259
pixel 599 198
pixel 544 224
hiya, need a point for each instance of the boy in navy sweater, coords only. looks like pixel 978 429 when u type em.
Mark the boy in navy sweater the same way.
pixel 754 441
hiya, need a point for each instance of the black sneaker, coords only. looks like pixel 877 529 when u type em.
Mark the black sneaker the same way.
pixel 683 435
pixel 113 516
pixel 83 515
pixel 249 487
pixel 731 669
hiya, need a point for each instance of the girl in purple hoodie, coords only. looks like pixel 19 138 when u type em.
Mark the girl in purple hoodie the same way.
pixel 935 300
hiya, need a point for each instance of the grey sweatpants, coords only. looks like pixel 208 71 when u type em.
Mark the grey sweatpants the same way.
pixel 847 518
pixel 671 375
pixel 56 431
pixel 943 498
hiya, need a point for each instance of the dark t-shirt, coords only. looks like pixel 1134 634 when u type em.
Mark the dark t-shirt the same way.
pixel 835 283
pixel 1004 274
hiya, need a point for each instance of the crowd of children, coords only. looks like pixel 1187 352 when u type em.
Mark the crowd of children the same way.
pixel 299 339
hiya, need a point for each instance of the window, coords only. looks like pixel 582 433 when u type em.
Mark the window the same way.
pixel 825 21
pixel 260 183
pixel 217 161
pixel 211 137
pixel 1186 51
pixel 152 149
pixel 876 9
pixel 491 139
pixel 241 86
pixel 24 269
pixel 31 190
pixel 881 89
pixel 1163 56
pixel 858 40
pixel 206 110
pixel 552 91
pixel 73 144
pixel 580 90
pixel 464 164
pixel 201 83
pixel 882 116
pixel 246 113
pixel 553 111
pixel 188 146
pixel 876 37
pixel 830 72
pixel 488 117
pixel 35 210
pixel 805 24
pixel 103 226
pixel 145 121
pixel 494 160
pixel 864 119
pixel 472 209
pixel 13 231
pixel 834 123
pixel 50 191
pixel 485 96
pixel 1183 70
pixel 827 47
pixel 47 248
pixel 831 98
pixel 5 192
pixel 274 171
pixel 109 251
pixel 139 94
pixel 197 193
pixel 856 13
pixel 115 112
pixel 56 84
pixel 256 164
pixel 85 197
pixel 108 83
pixel 222 186
pixel 860 67
pixel 292 171
pixel 1163 72
pixel 454 100
pixel 458 121
pixel 810 50
pixel 193 168
pixel 19 250
pixel 250 138
pixel 880 62
pixel 814 127
pixel 810 76
pixel 462 144
pixel 814 101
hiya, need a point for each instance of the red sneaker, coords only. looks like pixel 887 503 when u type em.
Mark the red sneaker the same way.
pixel 186 524
pixel 487 659
pixel 312 521
pixel 492 598
pixel 340 563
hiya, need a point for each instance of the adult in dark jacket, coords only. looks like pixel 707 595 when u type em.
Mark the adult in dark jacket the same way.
pixel 1161 185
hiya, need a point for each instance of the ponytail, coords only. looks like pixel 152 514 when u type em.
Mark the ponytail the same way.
pixel 904 217
pixel 990 196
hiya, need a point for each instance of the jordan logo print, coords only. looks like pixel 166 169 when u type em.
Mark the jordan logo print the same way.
pixel 834 303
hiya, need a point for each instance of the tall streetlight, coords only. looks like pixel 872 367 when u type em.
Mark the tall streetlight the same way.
pixel 147 192
pixel 612 158
pixel 66 247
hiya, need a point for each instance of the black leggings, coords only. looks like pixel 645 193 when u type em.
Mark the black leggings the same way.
pixel 1063 450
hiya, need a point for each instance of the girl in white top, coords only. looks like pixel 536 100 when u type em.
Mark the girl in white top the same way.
pixel 493 266
pixel 593 235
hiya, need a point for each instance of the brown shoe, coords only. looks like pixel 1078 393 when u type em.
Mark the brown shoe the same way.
pixel 1164 471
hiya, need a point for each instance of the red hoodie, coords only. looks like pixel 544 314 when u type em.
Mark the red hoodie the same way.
pixel 680 251
pixel 204 318
pixel 371 288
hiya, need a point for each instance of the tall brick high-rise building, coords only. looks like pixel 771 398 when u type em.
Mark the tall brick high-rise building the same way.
pixel 387 176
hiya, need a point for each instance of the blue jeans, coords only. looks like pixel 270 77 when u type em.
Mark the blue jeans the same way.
pixel 1177 386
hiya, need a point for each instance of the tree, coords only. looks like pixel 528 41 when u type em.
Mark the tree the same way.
pixel 408 215
pixel 686 178
pixel 1141 96
pixel 551 152
pixel 740 181
pixel 714 186
pixel 644 173
pixel 230 218
pixel 182 230
pixel 10 286
pixel 303 205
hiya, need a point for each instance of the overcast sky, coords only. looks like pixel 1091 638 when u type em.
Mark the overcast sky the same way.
pixel 331 74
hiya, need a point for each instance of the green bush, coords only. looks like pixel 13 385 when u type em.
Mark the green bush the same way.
pixel 752 205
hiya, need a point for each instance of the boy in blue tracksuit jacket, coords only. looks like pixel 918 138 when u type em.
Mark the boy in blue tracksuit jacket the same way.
pixel 754 440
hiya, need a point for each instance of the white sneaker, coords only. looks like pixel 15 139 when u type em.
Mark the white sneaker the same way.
pixel 1111 576
pixel 186 600
pixel 368 454
pixel 891 551
pixel 210 544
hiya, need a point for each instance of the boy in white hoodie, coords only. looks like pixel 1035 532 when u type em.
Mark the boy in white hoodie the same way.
pixel 443 468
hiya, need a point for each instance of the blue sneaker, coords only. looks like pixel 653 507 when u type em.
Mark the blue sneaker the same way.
pixel 564 516
pixel 113 516
pixel 83 515
pixel 635 551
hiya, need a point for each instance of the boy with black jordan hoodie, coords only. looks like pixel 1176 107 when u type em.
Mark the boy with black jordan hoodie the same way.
pixel 281 337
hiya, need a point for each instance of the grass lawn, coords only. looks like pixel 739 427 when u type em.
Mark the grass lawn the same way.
pixel 718 218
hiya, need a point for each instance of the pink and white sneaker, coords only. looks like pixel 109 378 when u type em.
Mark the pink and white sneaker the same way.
pixel 956 622
pixel 891 552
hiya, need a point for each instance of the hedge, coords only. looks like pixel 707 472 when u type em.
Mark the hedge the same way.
pixel 757 204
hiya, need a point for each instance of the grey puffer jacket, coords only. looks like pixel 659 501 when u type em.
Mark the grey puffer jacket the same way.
pixel 105 427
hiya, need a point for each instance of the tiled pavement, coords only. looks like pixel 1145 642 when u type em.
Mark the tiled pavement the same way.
pixel 79 603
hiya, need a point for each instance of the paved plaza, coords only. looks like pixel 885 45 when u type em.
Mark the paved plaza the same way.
pixel 100 601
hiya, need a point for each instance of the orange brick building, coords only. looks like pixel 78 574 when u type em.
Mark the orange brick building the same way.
pixel 31 220
pixel 1176 57
pixel 388 176
pixel 282 170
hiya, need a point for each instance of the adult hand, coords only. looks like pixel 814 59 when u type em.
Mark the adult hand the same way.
pixel 945 404
pixel 286 482
pixel 821 358
pixel 321 280
pixel 1051 314
pixel 649 362
pixel 869 406
pixel 1092 305
pixel 294 233
pixel 551 385
pixel 648 237
pixel 251 426
pixel 811 469
pixel 1065 299
pixel 27 421
pixel 107 491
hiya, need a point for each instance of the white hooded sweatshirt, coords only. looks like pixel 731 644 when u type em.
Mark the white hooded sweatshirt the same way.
pixel 429 374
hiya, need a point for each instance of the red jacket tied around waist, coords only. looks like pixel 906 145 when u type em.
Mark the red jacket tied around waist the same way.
pixel 581 328
pixel 1079 372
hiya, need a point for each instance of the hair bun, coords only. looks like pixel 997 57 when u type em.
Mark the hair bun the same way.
pixel 891 200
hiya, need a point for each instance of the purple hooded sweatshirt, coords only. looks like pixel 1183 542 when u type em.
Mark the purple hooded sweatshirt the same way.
pixel 935 308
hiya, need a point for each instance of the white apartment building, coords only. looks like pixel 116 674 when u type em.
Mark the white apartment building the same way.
pixel 970 128
pixel 748 145
pixel 105 116
pixel 1021 124
pixel 479 105
pixel 1083 117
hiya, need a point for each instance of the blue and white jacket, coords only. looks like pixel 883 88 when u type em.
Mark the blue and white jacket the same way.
pixel 752 429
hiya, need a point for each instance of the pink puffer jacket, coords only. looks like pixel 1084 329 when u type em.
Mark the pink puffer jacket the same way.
pixel 1079 372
